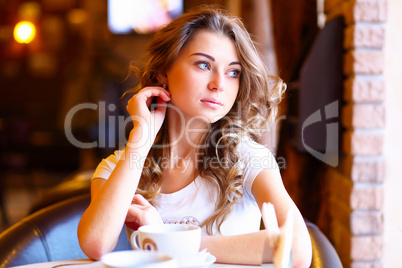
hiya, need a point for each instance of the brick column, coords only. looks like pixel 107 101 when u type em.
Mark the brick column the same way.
pixel 355 195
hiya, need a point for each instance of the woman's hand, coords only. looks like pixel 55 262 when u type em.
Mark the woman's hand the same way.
pixel 146 119
pixel 141 212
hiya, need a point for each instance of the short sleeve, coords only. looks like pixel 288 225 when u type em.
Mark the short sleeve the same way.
pixel 107 165
pixel 256 158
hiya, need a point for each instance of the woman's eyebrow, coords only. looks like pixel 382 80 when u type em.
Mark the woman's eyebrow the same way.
pixel 203 54
pixel 212 58
pixel 235 63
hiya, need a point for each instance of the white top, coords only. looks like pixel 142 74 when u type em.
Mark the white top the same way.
pixel 87 263
pixel 196 202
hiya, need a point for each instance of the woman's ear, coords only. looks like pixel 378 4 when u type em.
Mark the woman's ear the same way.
pixel 162 78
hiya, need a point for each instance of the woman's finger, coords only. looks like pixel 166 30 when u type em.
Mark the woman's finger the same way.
pixel 150 92
pixel 138 199
pixel 136 105
pixel 161 106
pixel 133 225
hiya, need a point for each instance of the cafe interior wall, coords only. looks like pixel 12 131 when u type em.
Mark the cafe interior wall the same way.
pixel 393 141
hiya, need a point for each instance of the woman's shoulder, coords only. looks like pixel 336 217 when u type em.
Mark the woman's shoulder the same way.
pixel 114 157
pixel 255 155
pixel 249 146
pixel 107 165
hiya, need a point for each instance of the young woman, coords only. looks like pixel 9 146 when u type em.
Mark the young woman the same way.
pixel 191 155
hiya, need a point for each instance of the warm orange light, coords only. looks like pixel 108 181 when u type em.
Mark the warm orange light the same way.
pixel 24 32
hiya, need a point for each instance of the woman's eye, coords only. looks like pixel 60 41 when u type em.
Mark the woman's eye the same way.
pixel 203 65
pixel 234 73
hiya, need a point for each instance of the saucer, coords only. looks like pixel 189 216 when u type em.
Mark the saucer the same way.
pixel 208 260
pixel 144 259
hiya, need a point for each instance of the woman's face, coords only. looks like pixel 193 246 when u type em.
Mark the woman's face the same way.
pixel 204 80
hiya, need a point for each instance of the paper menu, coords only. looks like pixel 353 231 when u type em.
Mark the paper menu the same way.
pixel 280 238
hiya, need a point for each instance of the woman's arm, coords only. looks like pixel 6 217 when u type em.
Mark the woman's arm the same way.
pixel 101 223
pixel 111 199
pixel 249 249
pixel 254 248
pixel 268 187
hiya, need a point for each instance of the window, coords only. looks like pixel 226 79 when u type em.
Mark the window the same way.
pixel 141 16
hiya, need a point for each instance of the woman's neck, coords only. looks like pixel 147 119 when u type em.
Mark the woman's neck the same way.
pixel 185 138
pixel 186 135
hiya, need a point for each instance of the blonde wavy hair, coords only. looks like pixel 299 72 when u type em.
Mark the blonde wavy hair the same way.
pixel 255 107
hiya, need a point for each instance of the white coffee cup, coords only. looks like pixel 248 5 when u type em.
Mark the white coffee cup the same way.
pixel 182 242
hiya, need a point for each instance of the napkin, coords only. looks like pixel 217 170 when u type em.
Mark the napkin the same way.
pixel 280 238
pixel 199 260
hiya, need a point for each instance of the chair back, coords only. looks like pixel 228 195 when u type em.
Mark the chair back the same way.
pixel 49 234
pixel 324 254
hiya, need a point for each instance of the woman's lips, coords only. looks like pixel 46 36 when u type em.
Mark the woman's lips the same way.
pixel 212 103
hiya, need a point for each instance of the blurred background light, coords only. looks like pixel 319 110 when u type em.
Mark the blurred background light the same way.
pixel 24 32
pixel 77 16
pixel 29 11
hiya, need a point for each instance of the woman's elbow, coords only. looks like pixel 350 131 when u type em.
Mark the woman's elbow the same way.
pixel 302 262
pixel 91 245
pixel 93 253
pixel 93 249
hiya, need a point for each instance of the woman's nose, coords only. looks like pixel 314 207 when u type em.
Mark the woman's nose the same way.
pixel 216 82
